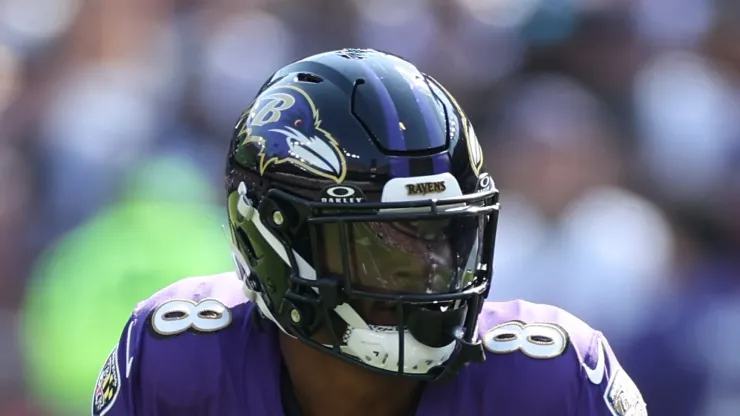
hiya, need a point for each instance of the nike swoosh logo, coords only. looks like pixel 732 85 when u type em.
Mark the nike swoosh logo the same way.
pixel 129 358
pixel 596 375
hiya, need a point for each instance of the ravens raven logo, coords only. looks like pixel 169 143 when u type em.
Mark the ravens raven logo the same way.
pixel 285 125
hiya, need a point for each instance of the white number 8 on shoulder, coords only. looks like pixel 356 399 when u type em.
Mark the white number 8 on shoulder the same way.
pixel 536 340
pixel 177 316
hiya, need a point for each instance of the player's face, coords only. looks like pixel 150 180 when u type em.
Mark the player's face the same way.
pixel 409 257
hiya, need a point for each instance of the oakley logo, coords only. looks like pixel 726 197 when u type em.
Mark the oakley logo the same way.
pixel 342 194
pixel 485 183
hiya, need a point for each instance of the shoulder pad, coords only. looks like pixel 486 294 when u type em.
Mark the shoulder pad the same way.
pixel 545 345
pixel 550 322
pixel 183 325
pixel 170 349
pixel 225 287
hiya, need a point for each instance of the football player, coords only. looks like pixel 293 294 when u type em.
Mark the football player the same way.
pixel 363 225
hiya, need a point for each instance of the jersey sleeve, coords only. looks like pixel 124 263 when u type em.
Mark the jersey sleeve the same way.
pixel 606 388
pixel 117 391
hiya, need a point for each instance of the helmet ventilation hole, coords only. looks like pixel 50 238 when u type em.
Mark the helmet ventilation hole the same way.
pixel 310 78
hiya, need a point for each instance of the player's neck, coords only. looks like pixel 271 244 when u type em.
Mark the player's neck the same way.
pixel 324 385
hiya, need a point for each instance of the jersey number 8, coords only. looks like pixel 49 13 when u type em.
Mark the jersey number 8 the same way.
pixel 534 340
pixel 177 316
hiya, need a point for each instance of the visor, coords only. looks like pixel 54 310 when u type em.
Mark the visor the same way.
pixel 429 256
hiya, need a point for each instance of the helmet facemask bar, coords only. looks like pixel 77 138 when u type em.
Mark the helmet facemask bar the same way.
pixel 331 290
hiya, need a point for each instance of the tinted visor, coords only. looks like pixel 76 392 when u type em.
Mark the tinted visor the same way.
pixel 428 256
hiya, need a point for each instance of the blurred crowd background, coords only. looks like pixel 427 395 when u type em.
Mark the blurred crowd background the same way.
pixel 612 128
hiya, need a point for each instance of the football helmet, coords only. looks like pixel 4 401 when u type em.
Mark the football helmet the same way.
pixel 362 219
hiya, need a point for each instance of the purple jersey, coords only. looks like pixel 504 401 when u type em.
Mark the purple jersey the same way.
pixel 192 349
